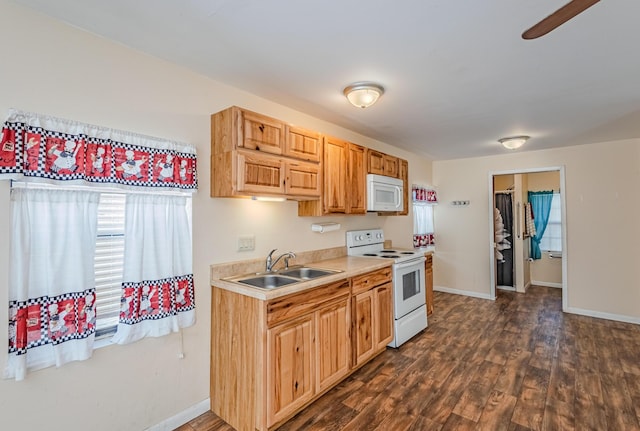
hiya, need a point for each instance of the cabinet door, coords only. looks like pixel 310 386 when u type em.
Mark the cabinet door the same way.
pixel 302 179
pixel 259 173
pixel 391 166
pixel 375 162
pixel 261 133
pixel 428 282
pixel 356 184
pixel 383 317
pixel 303 144
pixel 363 332
pixel 289 367
pixel 335 175
pixel 333 355
pixel 404 176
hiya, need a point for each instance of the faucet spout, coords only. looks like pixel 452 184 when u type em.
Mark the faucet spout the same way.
pixel 270 262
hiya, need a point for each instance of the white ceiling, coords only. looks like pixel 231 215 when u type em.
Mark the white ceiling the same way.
pixel 457 74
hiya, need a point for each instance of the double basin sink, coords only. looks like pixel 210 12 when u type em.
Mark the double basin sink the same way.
pixel 282 277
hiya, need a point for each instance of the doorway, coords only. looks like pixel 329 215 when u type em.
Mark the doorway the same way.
pixel 509 244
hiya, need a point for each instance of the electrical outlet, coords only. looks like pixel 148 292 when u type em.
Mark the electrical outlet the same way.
pixel 246 243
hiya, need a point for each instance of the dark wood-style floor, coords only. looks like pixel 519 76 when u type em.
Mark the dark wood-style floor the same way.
pixel 515 364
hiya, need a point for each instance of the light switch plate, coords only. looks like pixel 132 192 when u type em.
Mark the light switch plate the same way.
pixel 246 243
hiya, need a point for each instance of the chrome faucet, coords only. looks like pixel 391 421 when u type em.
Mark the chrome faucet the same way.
pixel 270 263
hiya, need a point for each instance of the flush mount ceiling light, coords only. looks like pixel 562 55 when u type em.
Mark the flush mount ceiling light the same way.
pixel 363 94
pixel 513 142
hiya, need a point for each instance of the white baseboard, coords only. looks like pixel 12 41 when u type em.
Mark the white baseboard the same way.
pixel 601 315
pixel 183 417
pixel 546 284
pixel 462 292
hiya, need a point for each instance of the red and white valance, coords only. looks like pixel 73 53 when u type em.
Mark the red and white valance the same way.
pixel 44 148
pixel 424 194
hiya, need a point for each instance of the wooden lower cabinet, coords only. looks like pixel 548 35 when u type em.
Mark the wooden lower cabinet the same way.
pixel 373 322
pixel 333 355
pixel 372 314
pixel 289 367
pixel 270 359
pixel 428 282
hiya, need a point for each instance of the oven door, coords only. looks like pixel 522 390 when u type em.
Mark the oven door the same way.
pixel 408 286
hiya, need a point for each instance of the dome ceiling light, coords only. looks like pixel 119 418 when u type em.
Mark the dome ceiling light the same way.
pixel 513 142
pixel 363 94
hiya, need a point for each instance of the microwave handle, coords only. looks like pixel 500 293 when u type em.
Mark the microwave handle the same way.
pixel 399 197
pixel 410 263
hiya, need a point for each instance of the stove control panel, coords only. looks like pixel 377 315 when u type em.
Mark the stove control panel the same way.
pixel 359 238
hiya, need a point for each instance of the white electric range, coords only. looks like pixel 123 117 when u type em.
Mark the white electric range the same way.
pixel 409 298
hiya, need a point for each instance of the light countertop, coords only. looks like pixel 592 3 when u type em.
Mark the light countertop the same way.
pixel 349 265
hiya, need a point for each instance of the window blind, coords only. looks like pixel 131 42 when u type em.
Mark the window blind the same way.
pixel 109 261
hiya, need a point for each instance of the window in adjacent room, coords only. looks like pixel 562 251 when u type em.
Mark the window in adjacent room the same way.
pixel 552 238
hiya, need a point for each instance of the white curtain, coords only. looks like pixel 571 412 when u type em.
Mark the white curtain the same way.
pixel 423 229
pixel 51 278
pixel 158 294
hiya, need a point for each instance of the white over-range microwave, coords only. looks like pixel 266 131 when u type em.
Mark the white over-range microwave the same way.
pixel 384 193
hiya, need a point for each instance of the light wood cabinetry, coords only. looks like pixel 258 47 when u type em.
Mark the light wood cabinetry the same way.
pixel 344 176
pixel 289 367
pixel 259 132
pixel 303 144
pixel 372 311
pixel 256 155
pixel 356 187
pixel 404 176
pixel 333 355
pixel 270 359
pixel 428 275
pixel 382 164
pixel 252 154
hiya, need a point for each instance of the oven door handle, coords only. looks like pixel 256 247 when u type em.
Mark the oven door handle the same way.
pixel 409 263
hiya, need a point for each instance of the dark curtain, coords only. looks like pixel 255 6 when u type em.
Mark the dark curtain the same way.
pixel 505 267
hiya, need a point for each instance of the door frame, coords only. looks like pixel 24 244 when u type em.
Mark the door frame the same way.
pixel 563 209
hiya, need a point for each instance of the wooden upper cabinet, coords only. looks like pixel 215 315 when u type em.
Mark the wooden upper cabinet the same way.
pixel 356 180
pixel 336 153
pixel 251 155
pixel 259 132
pixel 344 180
pixel 404 176
pixel 258 174
pixel 382 164
pixel 303 179
pixel 303 144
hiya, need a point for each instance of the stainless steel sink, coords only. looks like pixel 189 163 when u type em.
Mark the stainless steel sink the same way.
pixel 283 277
pixel 306 273
pixel 268 281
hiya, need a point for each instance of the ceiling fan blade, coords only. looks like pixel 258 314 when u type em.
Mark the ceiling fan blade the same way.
pixel 559 17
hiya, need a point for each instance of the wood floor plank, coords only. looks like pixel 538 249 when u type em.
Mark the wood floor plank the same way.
pixel 529 410
pixel 517 363
pixel 498 412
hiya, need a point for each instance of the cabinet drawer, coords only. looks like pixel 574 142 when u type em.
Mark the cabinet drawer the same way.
pixel 290 306
pixel 367 281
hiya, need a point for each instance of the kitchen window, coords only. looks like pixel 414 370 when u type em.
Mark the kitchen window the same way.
pixel 101 238
pixel 109 262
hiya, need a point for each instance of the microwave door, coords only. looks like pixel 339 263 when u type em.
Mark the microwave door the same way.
pixel 387 197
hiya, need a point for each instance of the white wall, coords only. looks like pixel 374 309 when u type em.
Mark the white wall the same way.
pixel 602 183
pixel 57 70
